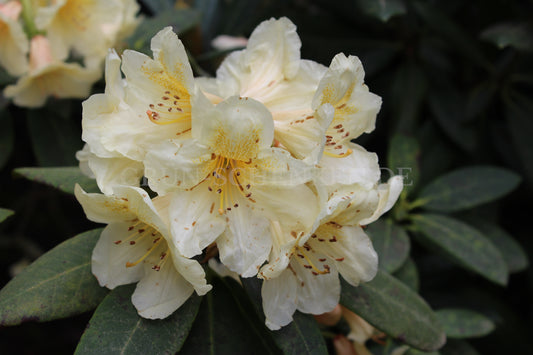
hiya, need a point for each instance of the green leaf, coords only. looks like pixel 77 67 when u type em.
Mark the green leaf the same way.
pixel 62 178
pixel 57 285
pixel 408 274
pixel 463 244
pixel 5 214
pixel 468 187
pixel 7 137
pixel 383 9
pixel 514 255
pixel 403 157
pixel 455 35
pixel 220 328
pixel 301 336
pixel 458 347
pixel 479 99
pixel 409 81
pixel 55 135
pixel 158 6
pixel 449 110
pixel 464 323
pixel 181 21
pixel 518 113
pixel 116 328
pixel 395 309
pixel 513 34
pixel 391 243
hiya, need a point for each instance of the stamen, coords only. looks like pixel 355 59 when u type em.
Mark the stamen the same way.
pixel 128 264
pixel 341 155
pixel 310 264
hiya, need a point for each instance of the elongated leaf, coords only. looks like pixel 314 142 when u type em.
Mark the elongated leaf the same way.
pixel 409 81
pixel 403 156
pixel 458 347
pixel 383 9
pixel 394 308
pixel 464 244
pixel 514 255
pixel 158 6
pixel 62 178
pixel 301 336
pixel 391 243
pixel 220 327
pixel 7 136
pixel 517 35
pixel 181 21
pixel 467 188
pixel 408 274
pixel 116 328
pixel 5 214
pixel 57 285
pixel 441 24
pixel 55 135
pixel 464 323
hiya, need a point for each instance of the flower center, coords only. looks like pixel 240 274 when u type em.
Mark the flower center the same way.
pixel 305 260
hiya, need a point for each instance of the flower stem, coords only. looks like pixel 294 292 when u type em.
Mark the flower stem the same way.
pixel 28 16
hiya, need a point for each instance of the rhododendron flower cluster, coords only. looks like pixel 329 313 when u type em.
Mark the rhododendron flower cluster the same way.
pixel 56 48
pixel 257 163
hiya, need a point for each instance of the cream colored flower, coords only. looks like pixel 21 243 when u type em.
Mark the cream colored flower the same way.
pixel 136 247
pixel 270 71
pixel 229 185
pixel 14 45
pixel 303 275
pixel 89 27
pixel 48 76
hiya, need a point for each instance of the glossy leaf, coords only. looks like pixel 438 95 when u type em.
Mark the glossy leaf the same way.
pixel 62 178
pixel 409 81
pixel 391 243
pixel 516 35
pixel 408 274
pixel 301 336
pixel 514 255
pixel 7 137
pixel 5 214
pixel 403 159
pixel 116 328
pixel 464 323
pixel 463 244
pixel 220 328
pixel 181 21
pixel 55 135
pixel 382 10
pixel 394 308
pixel 57 285
pixel 468 187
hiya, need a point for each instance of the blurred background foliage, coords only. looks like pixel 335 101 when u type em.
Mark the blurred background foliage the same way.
pixel 456 82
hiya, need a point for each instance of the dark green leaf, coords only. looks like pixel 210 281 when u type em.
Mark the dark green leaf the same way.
pixel 458 347
pixel 514 255
pixel 391 243
pixel 464 323
pixel 446 27
pixel 383 9
pixel 301 336
pixel 517 35
pixel 116 328
pixel 7 137
pixel 464 244
pixel 467 188
pixel 57 285
pixel 518 113
pixel 403 157
pixel 5 214
pixel 220 328
pixel 479 99
pixel 394 308
pixel 409 82
pixel 449 110
pixel 158 6
pixel 181 21
pixel 62 178
pixel 408 274
pixel 55 136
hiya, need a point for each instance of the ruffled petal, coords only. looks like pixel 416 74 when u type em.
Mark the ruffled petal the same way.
pixel 110 172
pixel 388 194
pixel 191 271
pixel 279 300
